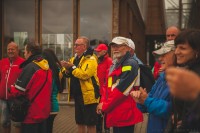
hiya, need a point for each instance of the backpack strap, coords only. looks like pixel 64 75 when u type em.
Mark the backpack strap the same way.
pixel 39 89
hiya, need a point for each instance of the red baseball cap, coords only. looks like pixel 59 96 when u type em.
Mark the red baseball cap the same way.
pixel 101 47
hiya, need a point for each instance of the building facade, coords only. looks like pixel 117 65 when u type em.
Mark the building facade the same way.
pixel 57 23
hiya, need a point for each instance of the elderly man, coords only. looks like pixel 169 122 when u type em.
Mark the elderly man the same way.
pixel 171 33
pixel 9 72
pixel 84 85
pixel 158 101
pixel 122 78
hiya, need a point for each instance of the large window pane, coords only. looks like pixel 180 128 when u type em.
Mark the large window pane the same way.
pixel 176 10
pixel 57 27
pixel 96 19
pixel 19 21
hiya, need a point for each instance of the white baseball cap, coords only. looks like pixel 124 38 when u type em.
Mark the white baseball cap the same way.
pixel 167 47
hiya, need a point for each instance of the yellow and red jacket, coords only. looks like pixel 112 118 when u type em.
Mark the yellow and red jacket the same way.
pixel 34 75
pixel 119 106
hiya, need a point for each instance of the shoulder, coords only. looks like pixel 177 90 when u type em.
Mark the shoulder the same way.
pixel 4 60
pixel 131 62
pixel 21 59
pixel 90 58
pixel 108 59
pixel 31 67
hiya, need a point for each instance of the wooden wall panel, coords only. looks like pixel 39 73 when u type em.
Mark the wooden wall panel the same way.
pixel 131 25
pixel 155 22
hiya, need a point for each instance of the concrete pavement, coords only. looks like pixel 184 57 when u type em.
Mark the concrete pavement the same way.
pixel 65 121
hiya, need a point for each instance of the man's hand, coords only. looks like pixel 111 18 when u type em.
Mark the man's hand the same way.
pixel 183 83
pixel 66 64
pixel 143 95
pixel 135 95
pixel 140 95
pixel 99 108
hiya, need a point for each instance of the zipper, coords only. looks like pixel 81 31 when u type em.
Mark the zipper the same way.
pixel 86 67
pixel 7 76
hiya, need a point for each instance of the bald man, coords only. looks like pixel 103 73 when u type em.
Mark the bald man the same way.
pixel 171 33
pixel 9 72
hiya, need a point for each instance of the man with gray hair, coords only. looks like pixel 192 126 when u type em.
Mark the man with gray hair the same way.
pixel 84 85
pixel 122 79
pixel 158 101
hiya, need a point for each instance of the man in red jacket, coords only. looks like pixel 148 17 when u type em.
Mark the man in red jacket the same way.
pixel 34 81
pixel 9 72
pixel 104 63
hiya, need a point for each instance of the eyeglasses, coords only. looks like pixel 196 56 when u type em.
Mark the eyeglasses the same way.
pixel 76 45
pixel 172 35
pixel 117 46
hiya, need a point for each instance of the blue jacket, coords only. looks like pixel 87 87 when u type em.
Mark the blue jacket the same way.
pixel 158 104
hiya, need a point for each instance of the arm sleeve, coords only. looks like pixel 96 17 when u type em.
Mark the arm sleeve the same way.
pixel 158 107
pixel 24 78
pixel 87 70
pixel 158 101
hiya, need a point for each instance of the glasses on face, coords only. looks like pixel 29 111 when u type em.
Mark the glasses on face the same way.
pixel 76 45
pixel 172 35
pixel 117 46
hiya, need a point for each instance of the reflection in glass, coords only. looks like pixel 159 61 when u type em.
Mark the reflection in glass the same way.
pixel 60 43
pixel 174 8
pixel 19 21
pixel 96 21
pixel 57 27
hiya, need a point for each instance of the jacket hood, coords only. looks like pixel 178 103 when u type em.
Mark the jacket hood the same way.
pixel 43 64
pixel 37 59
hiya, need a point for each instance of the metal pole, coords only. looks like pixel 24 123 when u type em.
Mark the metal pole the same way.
pixel 180 13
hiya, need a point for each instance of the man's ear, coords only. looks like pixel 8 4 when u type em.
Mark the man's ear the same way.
pixel 29 53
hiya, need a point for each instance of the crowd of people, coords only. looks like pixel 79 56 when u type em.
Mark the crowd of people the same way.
pixel 106 91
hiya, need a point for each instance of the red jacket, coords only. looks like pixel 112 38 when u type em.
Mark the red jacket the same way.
pixel 102 70
pixel 119 106
pixel 9 72
pixel 156 70
pixel 29 82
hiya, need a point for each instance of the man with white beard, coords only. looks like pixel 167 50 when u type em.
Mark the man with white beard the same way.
pixel 121 110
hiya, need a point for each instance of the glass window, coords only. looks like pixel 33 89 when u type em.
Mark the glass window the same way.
pixel 96 20
pixel 57 27
pixel 19 21
pixel 173 9
pixel 142 4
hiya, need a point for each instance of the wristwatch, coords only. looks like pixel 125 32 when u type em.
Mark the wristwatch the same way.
pixel 73 67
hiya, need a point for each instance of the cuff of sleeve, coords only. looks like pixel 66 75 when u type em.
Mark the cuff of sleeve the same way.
pixel 72 68
pixel 147 101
